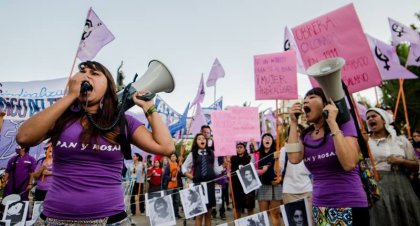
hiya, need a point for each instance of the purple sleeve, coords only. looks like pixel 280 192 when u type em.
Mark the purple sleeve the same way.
pixel 349 129
pixel 33 164
pixel 9 164
pixel 133 124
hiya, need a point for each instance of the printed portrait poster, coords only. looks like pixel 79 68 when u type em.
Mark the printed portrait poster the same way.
pixel 339 34
pixel 161 211
pixel 152 195
pixel 192 202
pixel 260 219
pixel 15 212
pixel 296 213
pixel 37 209
pixel 248 177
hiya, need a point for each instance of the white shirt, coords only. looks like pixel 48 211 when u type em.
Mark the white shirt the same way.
pixel 296 180
pixel 140 173
pixel 382 148
pixel 188 164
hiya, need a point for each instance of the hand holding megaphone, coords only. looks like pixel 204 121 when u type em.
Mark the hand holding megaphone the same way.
pixel 295 111
pixel 330 112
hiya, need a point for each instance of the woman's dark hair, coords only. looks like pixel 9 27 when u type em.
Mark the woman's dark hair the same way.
pixel 318 92
pixel 243 174
pixel 272 147
pixel 139 157
pixel 104 117
pixel 291 209
pixel 194 151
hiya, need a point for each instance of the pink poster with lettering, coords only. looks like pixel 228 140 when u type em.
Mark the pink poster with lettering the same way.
pixel 339 34
pixel 276 76
pixel 246 123
pixel 223 133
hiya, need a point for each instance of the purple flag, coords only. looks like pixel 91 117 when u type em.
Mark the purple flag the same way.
pixel 200 93
pixel 290 44
pixel 95 36
pixel 198 120
pixel 387 60
pixel 414 55
pixel 401 33
pixel 216 72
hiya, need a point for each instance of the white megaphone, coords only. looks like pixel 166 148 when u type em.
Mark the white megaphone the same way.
pixel 328 74
pixel 156 79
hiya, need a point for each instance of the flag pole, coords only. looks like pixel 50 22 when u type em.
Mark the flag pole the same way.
pixel 214 93
pixel 277 161
pixel 75 57
pixel 405 112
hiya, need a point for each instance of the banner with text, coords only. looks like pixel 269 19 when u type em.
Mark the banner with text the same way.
pixel 339 34
pixel 21 100
pixel 275 76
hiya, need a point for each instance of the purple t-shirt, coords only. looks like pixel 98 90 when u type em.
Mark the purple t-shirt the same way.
pixel 332 185
pixel 44 181
pixel 19 168
pixel 87 177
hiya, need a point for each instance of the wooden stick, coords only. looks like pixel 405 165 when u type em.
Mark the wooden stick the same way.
pixel 363 130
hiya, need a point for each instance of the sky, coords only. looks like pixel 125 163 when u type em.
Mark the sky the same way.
pixel 40 38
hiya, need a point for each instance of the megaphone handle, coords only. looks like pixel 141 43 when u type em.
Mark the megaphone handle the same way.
pixel 147 97
pixel 325 114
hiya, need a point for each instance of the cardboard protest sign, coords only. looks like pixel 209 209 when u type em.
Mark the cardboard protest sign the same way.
pixel 339 34
pixel 275 76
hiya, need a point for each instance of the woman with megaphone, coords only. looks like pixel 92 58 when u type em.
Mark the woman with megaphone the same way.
pixel 89 148
pixel 330 152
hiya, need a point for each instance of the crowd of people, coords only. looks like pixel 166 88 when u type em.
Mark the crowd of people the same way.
pixel 84 160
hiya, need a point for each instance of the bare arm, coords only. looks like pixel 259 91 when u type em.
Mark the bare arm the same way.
pixel 294 157
pixel 159 141
pixel 346 148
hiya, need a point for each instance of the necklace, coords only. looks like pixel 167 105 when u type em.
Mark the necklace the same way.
pixel 316 131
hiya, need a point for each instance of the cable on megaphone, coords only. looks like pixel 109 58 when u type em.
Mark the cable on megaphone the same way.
pixel 85 87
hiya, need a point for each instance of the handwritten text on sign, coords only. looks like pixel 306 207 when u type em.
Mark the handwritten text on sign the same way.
pixel 339 34
pixel 275 76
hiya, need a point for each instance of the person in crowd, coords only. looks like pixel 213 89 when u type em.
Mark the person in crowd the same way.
pixel 89 150
pixel 203 161
pixel 416 142
pixel 330 152
pixel 297 182
pixel 393 155
pixel 155 174
pixel 242 201
pixel 137 172
pixel 269 195
pixel 415 177
pixel 18 174
pixel 171 181
pixel 223 182
pixel 43 174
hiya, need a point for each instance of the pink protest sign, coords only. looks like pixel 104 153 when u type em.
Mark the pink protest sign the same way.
pixel 223 133
pixel 339 34
pixel 246 123
pixel 275 76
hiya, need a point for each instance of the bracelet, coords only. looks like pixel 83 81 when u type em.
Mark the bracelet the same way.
pixel 292 147
pixel 336 132
pixel 150 111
